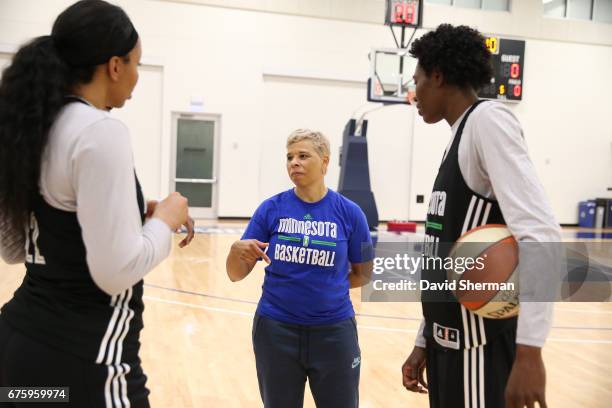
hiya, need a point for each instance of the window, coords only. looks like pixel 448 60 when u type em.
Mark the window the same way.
pixel 468 3
pixel 596 10
pixel 602 11
pixel 554 8
pixel 580 9
pixel 498 5
pixel 495 5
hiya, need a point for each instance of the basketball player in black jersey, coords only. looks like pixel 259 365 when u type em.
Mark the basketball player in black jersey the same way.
pixel 72 209
pixel 485 177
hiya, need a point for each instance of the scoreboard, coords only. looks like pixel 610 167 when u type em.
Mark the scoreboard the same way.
pixel 508 66
pixel 404 13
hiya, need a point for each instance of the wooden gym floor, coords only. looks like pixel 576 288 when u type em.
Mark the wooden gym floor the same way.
pixel 197 352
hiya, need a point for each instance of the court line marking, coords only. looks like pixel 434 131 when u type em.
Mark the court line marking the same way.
pixel 250 314
pixel 583 311
pixel 187 292
pixel 376 328
pixel 204 295
pixel 416 319
pixel 387 329
pixel 559 340
pixel 213 309
pixel 581 328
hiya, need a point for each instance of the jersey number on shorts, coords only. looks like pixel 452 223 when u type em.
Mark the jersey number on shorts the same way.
pixel 32 236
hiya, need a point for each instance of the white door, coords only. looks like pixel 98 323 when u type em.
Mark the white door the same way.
pixel 194 174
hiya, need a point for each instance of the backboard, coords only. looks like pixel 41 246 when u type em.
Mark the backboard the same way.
pixel 391 71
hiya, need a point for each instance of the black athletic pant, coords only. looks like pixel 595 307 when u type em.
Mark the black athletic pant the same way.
pixel 28 363
pixel 470 378
pixel 287 354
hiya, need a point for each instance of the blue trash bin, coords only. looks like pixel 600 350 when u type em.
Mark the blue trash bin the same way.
pixel 586 214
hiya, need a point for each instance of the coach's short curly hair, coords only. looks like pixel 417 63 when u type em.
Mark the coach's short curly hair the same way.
pixel 459 53
pixel 318 140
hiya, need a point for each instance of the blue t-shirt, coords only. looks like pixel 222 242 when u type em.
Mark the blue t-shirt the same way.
pixel 311 245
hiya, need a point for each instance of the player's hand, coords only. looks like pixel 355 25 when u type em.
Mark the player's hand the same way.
pixel 173 210
pixel 250 250
pixel 190 225
pixel 413 369
pixel 527 381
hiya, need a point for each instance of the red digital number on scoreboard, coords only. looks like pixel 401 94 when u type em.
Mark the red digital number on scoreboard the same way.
pixel 399 12
pixel 405 13
pixel 409 13
pixel 517 90
pixel 515 70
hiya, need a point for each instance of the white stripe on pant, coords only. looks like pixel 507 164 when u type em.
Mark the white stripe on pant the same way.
pixel 115 388
pixel 473 378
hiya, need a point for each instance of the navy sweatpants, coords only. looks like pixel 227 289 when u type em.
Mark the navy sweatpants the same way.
pixel 288 354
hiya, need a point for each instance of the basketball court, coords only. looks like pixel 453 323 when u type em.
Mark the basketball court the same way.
pixel 210 117
pixel 196 345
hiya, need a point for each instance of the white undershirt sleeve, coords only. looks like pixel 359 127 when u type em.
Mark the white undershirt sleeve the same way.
pixel 502 153
pixel 420 338
pixel 120 250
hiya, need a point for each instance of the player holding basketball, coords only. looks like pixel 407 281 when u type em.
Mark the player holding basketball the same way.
pixel 72 209
pixel 486 177
pixel 318 246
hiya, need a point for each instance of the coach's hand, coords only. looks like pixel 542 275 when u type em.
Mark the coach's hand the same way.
pixel 413 369
pixel 527 381
pixel 250 250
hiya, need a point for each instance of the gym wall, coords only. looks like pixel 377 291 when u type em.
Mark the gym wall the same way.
pixel 267 73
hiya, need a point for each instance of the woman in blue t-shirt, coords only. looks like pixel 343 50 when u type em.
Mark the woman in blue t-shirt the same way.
pixel 318 246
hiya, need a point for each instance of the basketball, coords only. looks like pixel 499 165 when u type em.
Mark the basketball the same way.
pixel 489 285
